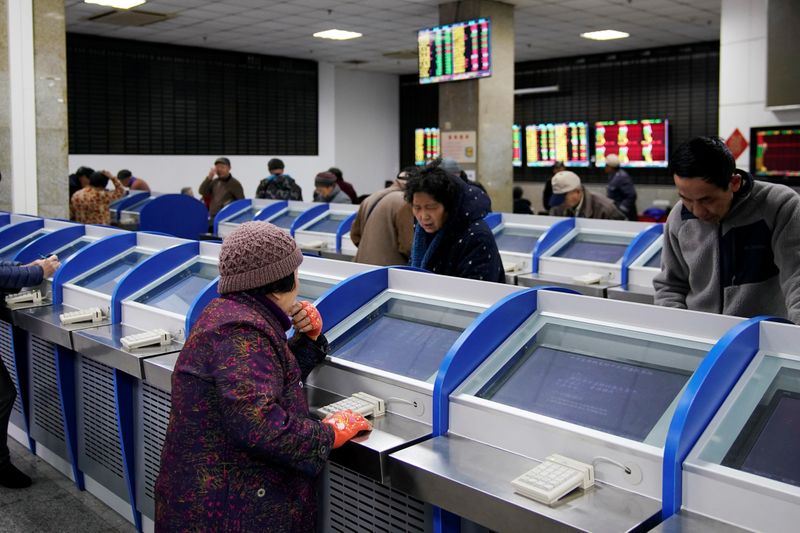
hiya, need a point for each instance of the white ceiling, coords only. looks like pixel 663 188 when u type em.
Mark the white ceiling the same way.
pixel 543 28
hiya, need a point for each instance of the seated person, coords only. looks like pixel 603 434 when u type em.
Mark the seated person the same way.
pixel 131 182
pixel 327 190
pixel 346 186
pixel 522 205
pixel 571 199
pixel 278 185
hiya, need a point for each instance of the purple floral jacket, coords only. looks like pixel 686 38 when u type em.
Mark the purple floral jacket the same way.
pixel 241 452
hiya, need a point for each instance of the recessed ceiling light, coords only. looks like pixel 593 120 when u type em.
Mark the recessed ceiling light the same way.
pixel 605 35
pixel 337 35
pixel 119 4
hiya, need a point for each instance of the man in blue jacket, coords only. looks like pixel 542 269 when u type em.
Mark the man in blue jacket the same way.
pixel 14 276
pixel 620 189
pixel 732 244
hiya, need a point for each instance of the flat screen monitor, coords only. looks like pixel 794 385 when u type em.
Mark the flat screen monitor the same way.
pixel 327 224
pixel 177 293
pixel 452 52
pixel 403 337
pixel 426 145
pixel 68 251
pixel 517 240
pixel 618 397
pixel 655 261
pixel 245 216
pixel 775 152
pixel 637 143
pixel 767 445
pixel 599 248
pixel 105 279
pixel 286 219
pixel 516 145
pixel 547 143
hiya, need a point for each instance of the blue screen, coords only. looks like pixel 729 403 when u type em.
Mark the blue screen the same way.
pixel 285 220
pixel 105 279
pixel 601 252
pixel 655 261
pixel 177 293
pixel 508 242
pixel 245 216
pixel 68 252
pixel 329 224
pixel 775 454
pixel 617 397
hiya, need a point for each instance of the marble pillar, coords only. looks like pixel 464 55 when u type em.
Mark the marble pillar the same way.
pixel 5 112
pixel 486 105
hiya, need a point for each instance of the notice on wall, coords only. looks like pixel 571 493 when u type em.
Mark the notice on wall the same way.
pixel 459 145
pixel 737 144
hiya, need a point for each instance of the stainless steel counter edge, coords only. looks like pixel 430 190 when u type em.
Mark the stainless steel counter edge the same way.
pixel 688 522
pixel 595 289
pixel 473 480
pixel 45 322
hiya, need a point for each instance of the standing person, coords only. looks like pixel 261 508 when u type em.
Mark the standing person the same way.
pixel 346 186
pixel 242 452
pixel 571 199
pixel 79 180
pixel 384 226
pixel 90 205
pixel 620 189
pixel 13 277
pixel 327 190
pixel 547 192
pixel 278 185
pixel 732 244
pixel 220 186
pixel 451 237
pixel 131 182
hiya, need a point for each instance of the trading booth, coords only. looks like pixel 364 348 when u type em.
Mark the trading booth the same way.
pixel 638 274
pixel 175 214
pixel 324 229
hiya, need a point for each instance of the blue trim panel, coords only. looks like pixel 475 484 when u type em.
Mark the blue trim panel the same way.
pixel 707 389
pixel 177 214
pixel 200 302
pixel 127 201
pixel 476 343
pixel 307 216
pixel 271 210
pixel 547 239
pixel 639 244
pixel 5 219
pixel 124 401
pixel 148 271
pixel 14 232
pixel 90 256
pixel 65 377
pixel 493 220
pixel 343 299
pixel 19 354
pixel 47 244
pixel 343 228
pixel 230 210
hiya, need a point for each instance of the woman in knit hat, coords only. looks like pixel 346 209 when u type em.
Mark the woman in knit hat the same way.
pixel 242 452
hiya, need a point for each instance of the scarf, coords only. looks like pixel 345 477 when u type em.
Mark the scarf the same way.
pixel 422 249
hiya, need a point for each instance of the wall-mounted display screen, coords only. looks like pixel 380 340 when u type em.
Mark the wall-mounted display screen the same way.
pixel 637 143
pixel 547 143
pixel 516 145
pixel 426 145
pixel 452 52
pixel 775 151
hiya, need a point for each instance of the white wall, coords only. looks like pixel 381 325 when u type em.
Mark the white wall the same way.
pixel 367 128
pixel 365 145
pixel 743 72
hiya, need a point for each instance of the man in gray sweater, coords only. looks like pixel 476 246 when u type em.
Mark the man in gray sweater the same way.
pixel 732 244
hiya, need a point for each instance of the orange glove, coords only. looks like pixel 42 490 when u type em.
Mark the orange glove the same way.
pixel 346 425
pixel 314 316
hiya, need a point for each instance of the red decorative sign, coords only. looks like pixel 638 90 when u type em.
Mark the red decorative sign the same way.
pixel 737 144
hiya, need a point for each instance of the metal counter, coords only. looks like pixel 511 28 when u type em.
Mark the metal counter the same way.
pixel 634 293
pixel 535 280
pixel 687 522
pixel 473 480
pixel 44 322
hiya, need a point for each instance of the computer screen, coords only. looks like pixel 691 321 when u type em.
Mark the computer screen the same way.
pixel 547 143
pixel 177 293
pixel 655 261
pixel 767 445
pixel 285 220
pixel 327 224
pixel 775 152
pixel 453 52
pixel 426 145
pixel 105 279
pixel 515 240
pixel 637 143
pixel 600 248
pixel 516 145
pixel 618 397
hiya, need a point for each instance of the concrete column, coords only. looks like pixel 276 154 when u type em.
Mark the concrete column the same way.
pixel 33 107
pixel 486 105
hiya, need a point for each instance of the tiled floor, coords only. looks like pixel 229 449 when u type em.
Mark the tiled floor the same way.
pixel 52 503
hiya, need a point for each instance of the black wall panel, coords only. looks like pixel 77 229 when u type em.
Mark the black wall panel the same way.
pixel 132 97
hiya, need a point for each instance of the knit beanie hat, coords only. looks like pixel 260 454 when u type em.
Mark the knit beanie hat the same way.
pixel 325 179
pixel 255 254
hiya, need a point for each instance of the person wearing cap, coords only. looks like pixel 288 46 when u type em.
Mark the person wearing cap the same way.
pixel 547 192
pixel 327 190
pixel 278 185
pixel 732 243
pixel 131 182
pixel 620 189
pixel 384 226
pixel 346 186
pixel 451 237
pixel 220 187
pixel 90 205
pixel 242 452
pixel 571 199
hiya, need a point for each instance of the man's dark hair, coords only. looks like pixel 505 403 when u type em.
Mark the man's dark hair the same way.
pixel 517 192
pixel 124 174
pixel 84 171
pixel 336 172
pixel 275 164
pixel 704 157
pixel 285 284
pixel 98 179
pixel 433 180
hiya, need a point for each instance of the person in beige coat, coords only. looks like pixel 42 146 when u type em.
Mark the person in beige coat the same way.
pixel 384 226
